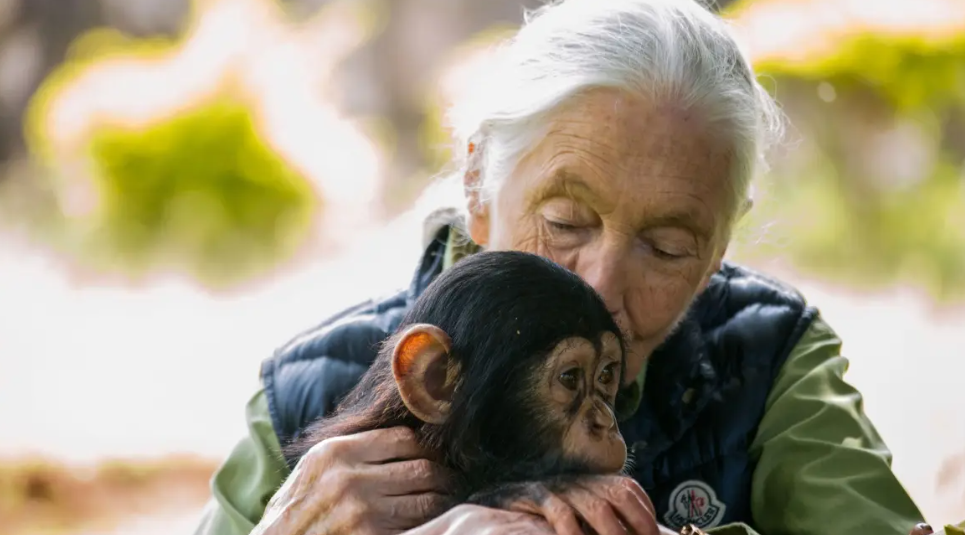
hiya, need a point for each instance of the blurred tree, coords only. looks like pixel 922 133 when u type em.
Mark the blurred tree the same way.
pixel 199 189
pixel 192 189
pixel 33 39
pixel 873 192
pixel 36 34
pixel 392 75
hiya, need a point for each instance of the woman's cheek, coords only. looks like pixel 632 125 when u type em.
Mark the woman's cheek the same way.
pixel 657 304
pixel 566 257
pixel 532 237
pixel 526 238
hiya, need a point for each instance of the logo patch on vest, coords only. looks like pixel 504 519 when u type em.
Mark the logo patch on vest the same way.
pixel 694 502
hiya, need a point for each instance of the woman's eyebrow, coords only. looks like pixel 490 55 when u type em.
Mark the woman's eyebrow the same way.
pixel 565 183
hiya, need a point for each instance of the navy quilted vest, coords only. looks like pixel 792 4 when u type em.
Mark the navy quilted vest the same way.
pixel 704 394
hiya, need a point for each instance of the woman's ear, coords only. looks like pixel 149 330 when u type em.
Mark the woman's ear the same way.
pixel 478 223
pixel 424 372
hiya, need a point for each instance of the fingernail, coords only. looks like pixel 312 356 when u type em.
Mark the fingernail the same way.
pixel 925 528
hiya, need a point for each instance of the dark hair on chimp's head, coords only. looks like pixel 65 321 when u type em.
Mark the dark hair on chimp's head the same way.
pixel 495 301
pixel 503 311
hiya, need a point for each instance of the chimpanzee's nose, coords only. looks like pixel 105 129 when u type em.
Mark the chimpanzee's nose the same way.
pixel 601 418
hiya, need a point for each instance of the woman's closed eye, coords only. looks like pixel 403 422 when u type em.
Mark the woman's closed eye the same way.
pixel 566 216
pixel 665 250
pixel 562 226
pixel 666 254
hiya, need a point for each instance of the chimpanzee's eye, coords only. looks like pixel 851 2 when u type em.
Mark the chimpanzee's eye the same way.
pixel 571 378
pixel 608 373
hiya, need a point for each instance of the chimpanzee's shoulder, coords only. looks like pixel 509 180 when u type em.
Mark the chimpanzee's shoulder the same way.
pixel 306 378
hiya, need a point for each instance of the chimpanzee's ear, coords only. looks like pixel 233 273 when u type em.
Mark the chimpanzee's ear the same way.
pixel 421 366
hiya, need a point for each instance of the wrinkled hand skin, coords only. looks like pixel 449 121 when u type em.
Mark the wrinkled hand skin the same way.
pixel 373 483
pixel 468 518
pixel 602 505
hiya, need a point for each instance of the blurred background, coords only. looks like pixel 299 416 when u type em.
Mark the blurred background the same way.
pixel 184 185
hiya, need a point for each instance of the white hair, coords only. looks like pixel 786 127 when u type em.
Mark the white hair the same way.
pixel 663 50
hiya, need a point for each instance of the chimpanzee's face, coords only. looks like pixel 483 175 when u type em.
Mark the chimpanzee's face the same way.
pixel 580 380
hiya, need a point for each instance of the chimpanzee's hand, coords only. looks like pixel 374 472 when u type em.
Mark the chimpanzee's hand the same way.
pixel 606 505
pixel 371 483
pixel 484 521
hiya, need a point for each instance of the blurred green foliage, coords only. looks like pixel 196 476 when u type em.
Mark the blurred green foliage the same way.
pixel 197 191
pixel 829 212
pixel 202 187
pixel 911 72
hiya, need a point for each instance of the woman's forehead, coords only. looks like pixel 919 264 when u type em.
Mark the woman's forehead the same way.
pixel 618 152
pixel 606 130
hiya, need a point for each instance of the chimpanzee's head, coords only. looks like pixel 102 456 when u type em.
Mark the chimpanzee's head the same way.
pixel 513 364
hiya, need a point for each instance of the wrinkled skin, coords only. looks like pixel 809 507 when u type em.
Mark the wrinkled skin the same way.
pixel 632 197
pixel 584 505
pixel 484 521
pixel 349 485
pixel 342 487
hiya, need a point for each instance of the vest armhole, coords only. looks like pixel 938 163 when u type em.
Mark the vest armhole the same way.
pixel 804 322
pixel 268 383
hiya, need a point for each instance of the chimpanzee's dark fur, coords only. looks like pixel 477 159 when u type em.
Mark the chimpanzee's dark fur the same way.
pixel 504 311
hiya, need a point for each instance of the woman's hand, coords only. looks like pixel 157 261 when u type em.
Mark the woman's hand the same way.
pixel 609 505
pixel 371 483
pixel 480 520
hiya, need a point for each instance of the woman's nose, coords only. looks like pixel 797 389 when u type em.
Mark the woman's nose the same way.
pixel 605 271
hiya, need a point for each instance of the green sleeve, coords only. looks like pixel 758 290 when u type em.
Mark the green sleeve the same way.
pixel 243 484
pixel 822 467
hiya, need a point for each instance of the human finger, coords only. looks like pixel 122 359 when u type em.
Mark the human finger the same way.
pixel 641 494
pixel 538 501
pixel 560 515
pixel 409 477
pixel 629 501
pixel 481 520
pixel 409 511
pixel 381 445
pixel 594 510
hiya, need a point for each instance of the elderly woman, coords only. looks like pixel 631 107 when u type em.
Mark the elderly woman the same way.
pixel 618 138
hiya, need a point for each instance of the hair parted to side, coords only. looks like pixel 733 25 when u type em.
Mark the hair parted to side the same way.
pixel 670 51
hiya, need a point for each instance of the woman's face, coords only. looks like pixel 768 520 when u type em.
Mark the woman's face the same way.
pixel 630 196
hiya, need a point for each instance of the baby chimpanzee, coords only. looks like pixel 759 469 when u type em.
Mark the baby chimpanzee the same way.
pixel 507 367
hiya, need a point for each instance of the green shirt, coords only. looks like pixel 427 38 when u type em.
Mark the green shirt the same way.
pixel 822 469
